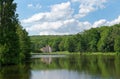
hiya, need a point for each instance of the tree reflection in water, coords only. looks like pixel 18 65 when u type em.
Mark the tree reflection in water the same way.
pixel 95 66
pixel 15 72
pixel 67 67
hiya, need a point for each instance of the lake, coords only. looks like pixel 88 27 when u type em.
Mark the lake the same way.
pixel 65 67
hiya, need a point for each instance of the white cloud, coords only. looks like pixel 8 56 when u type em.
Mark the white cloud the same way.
pixel 53 20
pixel 99 23
pixel 52 33
pixel 30 5
pixel 87 6
pixel 62 20
pixel 37 6
pixel 104 22
pixel 64 10
pixel 116 21
pixel 58 12
pixel 45 26
pixel 61 11
pixel 85 25
pixel 70 26
pixel 35 18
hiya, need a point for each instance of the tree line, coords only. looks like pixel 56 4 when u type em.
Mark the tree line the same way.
pixel 101 39
pixel 14 40
pixel 54 41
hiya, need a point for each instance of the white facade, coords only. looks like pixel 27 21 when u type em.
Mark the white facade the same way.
pixel 46 49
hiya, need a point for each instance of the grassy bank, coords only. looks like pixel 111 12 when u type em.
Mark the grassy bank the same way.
pixel 70 53
pixel 57 53
pixel 100 53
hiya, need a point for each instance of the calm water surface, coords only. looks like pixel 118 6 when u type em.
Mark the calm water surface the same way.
pixel 65 67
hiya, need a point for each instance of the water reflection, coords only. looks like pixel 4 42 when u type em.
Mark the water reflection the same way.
pixel 48 56
pixel 57 74
pixel 47 60
pixel 67 67
pixel 15 72
pixel 81 67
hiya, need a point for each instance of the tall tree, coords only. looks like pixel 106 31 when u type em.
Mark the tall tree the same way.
pixel 24 43
pixel 9 41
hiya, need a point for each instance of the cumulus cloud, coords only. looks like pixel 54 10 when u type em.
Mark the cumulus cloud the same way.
pixel 45 26
pixel 99 23
pixel 61 11
pixel 62 20
pixel 87 6
pixel 58 12
pixel 116 21
pixel 58 18
pixel 104 22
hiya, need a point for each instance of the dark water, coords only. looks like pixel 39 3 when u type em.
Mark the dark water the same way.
pixel 65 67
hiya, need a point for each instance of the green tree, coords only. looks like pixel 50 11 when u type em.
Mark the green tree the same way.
pixel 9 40
pixel 117 44
pixel 94 37
pixel 79 43
pixel 63 44
pixel 85 41
pixel 71 44
pixel 55 44
pixel 105 43
pixel 102 39
pixel 24 43
pixel 116 37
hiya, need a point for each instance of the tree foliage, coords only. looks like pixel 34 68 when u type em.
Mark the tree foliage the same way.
pixel 117 44
pixel 8 37
pixel 102 39
pixel 24 43
pixel 10 47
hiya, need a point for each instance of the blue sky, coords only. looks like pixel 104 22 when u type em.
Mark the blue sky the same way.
pixel 58 17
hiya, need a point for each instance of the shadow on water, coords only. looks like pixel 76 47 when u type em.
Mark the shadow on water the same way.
pixel 65 67
pixel 15 72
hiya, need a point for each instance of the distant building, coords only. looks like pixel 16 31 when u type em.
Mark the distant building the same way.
pixel 46 49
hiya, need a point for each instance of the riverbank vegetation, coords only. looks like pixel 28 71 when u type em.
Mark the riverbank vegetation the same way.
pixel 78 53
pixel 14 40
pixel 102 39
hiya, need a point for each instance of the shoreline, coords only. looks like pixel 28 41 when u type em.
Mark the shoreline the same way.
pixel 77 53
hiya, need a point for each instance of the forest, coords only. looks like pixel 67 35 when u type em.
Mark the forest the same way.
pixel 100 39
